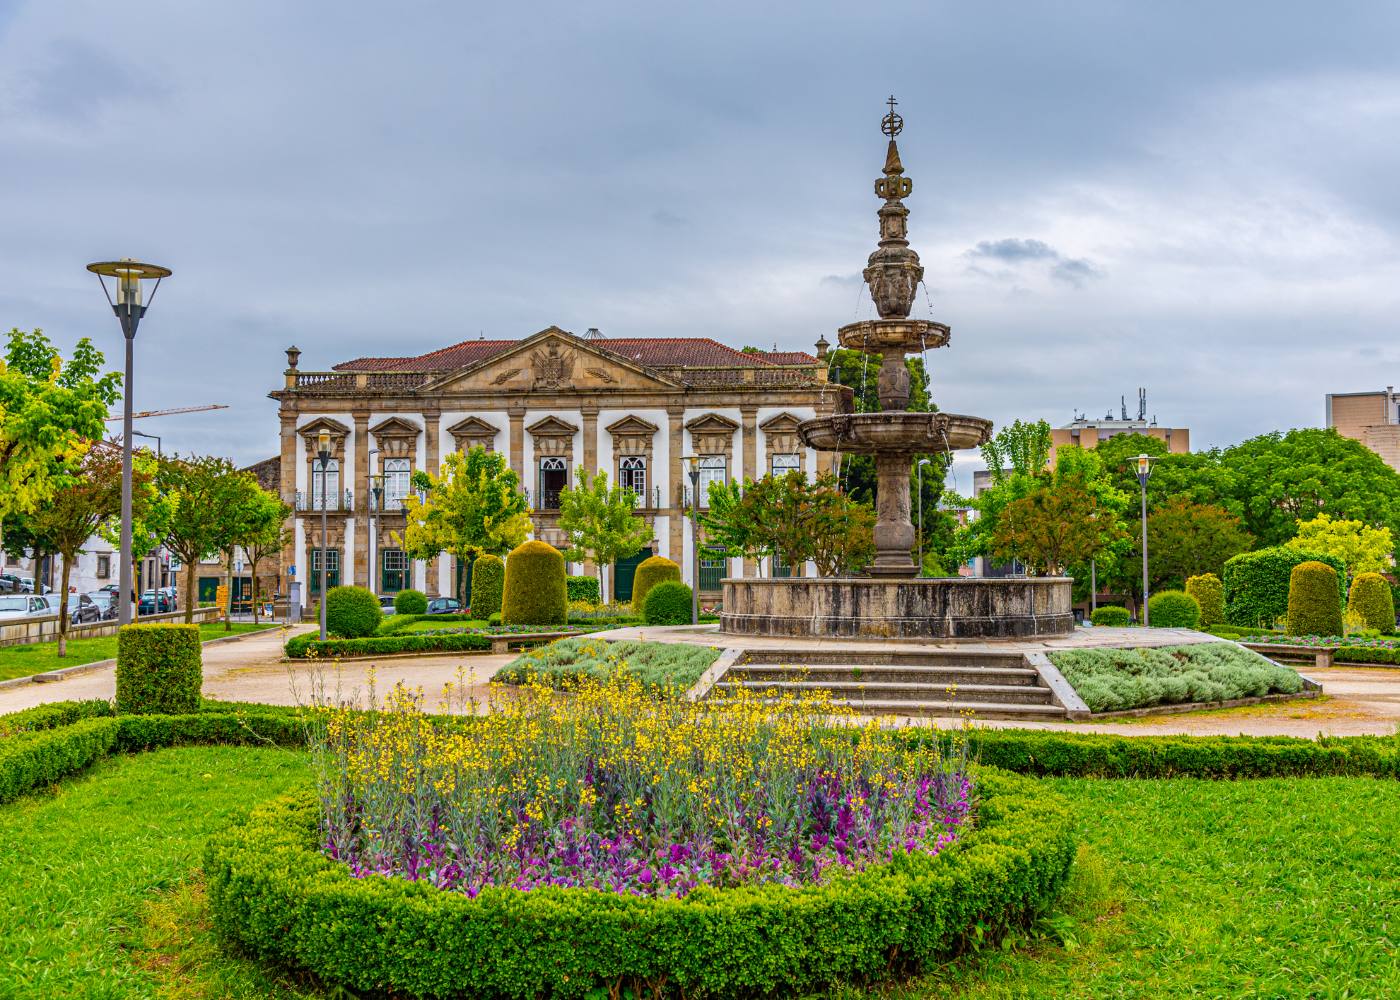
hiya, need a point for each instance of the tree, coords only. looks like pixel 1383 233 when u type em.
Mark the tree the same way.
pixel 600 523
pixel 473 506
pixel 1198 476
pixel 150 514
pixel 1053 527
pixel 1186 539
pixel 71 516
pixel 1362 548
pixel 254 514
pixel 208 500
pixel 268 540
pixel 729 524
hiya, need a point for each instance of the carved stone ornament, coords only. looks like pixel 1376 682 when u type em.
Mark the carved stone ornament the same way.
pixel 506 376
pixel 552 367
pixel 601 374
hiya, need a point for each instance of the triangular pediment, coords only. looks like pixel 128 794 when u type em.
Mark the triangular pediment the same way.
pixel 394 427
pixel 553 360
pixel 711 423
pixel 335 427
pixel 552 427
pixel 473 427
pixel 783 423
pixel 631 426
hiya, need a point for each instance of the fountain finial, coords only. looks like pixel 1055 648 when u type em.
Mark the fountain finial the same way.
pixel 893 273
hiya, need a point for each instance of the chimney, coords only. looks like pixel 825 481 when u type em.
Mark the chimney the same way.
pixel 822 346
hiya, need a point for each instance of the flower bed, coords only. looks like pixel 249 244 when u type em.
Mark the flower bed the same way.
pixel 1323 641
pixel 565 662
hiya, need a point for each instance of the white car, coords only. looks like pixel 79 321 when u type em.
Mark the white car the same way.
pixel 24 605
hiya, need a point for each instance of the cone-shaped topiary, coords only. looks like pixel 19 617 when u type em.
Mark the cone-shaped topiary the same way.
pixel 410 602
pixel 1173 609
pixel 668 603
pixel 1313 606
pixel 352 612
pixel 1372 600
pixel 535 592
pixel 488 580
pixel 1111 615
pixel 1209 593
pixel 650 572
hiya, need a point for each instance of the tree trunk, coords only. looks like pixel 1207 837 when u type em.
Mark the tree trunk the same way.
pixel 228 604
pixel 189 593
pixel 602 590
pixel 63 611
pixel 253 565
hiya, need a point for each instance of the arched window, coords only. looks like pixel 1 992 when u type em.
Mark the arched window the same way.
pixel 781 465
pixel 325 485
pixel 713 469
pixel 632 475
pixel 554 478
pixel 396 484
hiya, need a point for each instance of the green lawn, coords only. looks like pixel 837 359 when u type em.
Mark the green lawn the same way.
pixel 36 658
pixel 1185 888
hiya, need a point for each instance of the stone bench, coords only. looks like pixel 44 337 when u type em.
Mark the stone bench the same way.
pixel 1323 656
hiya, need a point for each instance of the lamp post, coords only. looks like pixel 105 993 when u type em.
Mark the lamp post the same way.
pixel 1144 470
pixel 323 452
pixel 376 491
pixel 128 308
pixel 920 473
pixel 693 461
pixel 1094 574
pixel 370 500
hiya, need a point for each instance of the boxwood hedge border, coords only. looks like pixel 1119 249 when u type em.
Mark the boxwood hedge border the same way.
pixel 273 892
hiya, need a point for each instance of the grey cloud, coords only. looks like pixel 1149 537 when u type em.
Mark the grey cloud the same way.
pixel 1014 250
pixel 1075 271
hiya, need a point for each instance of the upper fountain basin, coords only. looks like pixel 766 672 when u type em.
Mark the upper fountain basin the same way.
pixel 877 336
pixel 894 432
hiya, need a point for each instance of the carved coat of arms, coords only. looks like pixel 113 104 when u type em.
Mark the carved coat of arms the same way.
pixel 552 367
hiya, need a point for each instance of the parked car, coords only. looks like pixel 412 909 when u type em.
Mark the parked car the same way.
pixel 106 601
pixel 82 610
pixel 26 586
pixel 24 605
pixel 386 604
pixel 9 583
pixel 172 597
pixel 444 606
pixel 153 602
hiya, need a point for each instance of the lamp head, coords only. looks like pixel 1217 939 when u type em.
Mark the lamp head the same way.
pixel 129 274
pixel 323 444
pixel 1144 464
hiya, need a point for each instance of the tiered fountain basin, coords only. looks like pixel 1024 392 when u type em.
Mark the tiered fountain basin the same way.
pixel 899 608
pixel 895 432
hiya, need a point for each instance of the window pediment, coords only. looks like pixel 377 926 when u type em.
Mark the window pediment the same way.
pixel 474 431
pixel 394 427
pixel 783 423
pixel 552 427
pixel 631 426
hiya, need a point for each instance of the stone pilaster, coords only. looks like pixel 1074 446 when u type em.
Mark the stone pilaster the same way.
pixel 590 462
pixel 676 484
pixel 287 483
pixel 517 442
pixel 431 463
pixel 359 488
pixel 748 432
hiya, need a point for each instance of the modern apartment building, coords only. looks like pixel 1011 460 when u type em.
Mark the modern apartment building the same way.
pixel 1373 418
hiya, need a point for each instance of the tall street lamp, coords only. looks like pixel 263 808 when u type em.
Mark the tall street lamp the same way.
pixel 1144 470
pixel 920 473
pixel 323 452
pixel 693 461
pixel 128 308
pixel 376 492
pixel 369 519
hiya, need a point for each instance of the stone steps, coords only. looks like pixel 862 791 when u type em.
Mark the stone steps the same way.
pixel 857 692
pixel 939 677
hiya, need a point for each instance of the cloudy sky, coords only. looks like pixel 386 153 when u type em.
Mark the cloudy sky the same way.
pixel 1199 198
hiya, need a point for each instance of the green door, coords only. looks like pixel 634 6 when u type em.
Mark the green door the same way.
pixel 624 570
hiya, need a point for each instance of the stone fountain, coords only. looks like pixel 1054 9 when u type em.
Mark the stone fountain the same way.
pixel 894 601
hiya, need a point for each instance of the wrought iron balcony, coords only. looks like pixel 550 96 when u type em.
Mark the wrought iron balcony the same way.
pixel 343 500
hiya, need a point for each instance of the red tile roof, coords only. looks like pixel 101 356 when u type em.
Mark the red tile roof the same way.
pixel 790 357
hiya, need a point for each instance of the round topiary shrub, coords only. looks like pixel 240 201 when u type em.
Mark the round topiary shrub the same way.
pixel 1313 606
pixel 667 603
pixel 488 582
pixel 535 592
pixel 410 602
pixel 159 670
pixel 649 573
pixel 1209 593
pixel 1173 609
pixel 1372 600
pixel 1111 615
pixel 352 612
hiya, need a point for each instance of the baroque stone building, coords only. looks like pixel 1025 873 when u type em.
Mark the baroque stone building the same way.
pixel 553 403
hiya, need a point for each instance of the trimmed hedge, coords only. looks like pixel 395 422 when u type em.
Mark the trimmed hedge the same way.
pixel 1256 583
pixel 159 669
pixel 1371 599
pixel 1366 654
pixel 667 603
pixel 1173 609
pixel 1313 608
pixel 410 602
pixel 1111 615
pixel 488 582
pixel 1209 593
pixel 308 646
pixel 273 892
pixel 535 592
pixel 352 612
pixel 651 571
pixel 584 588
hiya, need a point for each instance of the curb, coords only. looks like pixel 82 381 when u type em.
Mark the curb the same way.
pixel 54 676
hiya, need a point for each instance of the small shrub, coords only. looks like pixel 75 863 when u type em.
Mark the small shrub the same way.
pixel 667 603
pixel 650 572
pixel 1256 583
pixel 1173 609
pixel 352 612
pixel 494 619
pixel 1372 600
pixel 488 582
pixel 584 588
pixel 1111 680
pixel 1209 593
pixel 1111 615
pixel 1313 607
pixel 308 646
pixel 658 665
pixel 535 592
pixel 159 670
pixel 411 602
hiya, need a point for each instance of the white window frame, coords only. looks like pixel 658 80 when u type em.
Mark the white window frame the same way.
pixel 781 465
pixel 325 483
pixel 398 473
pixel 713 469
pixel 632 475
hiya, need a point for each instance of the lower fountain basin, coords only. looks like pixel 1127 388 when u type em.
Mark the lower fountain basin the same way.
pixel 913 608
pixel 894 432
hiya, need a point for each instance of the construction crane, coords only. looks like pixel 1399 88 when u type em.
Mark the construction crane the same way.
pixel 178 409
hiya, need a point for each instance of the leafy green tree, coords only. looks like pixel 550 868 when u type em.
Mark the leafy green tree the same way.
pixel 50 414
pixel 1198 477
pixel 254 514
pixel 150 514
pixel 1361 548
pixel 268 535
pixel 600 523
pixel 472 506
pixel 1055 526
pixel 208 505
pixel 1186 539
